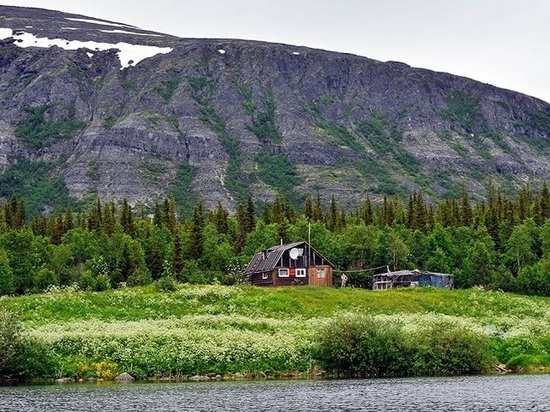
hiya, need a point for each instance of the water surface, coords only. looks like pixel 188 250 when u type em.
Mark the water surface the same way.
pixel 480 393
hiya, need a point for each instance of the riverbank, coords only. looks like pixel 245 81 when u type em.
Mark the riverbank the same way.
pixel 220 330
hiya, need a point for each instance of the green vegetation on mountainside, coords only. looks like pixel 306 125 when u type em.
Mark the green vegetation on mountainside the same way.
pixel 36 131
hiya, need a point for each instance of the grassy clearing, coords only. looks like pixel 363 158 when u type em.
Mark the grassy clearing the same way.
pixel 220 329
pixel 142 303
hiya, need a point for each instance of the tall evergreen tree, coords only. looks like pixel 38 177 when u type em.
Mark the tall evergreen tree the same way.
pixel 523 203
pixel 177 254
pixel 108 222
pixel 466 213
pixel 250 215
pixel 95 217
pixel 57 229
pixel 68 219
pixel 367 213
pixel 266 213
pixel 545 202
pixel 317 211
pixel 155 256
pixel 332 217
pixel 168 214
pixel 278 212
pixel 197 237
pixel 157 216
pixel 220 219
pixel 125 265
pixel 308 208
pixel 39 225
pixel 492 214
pixel 411 218
pixel 240 241
pixel 127 218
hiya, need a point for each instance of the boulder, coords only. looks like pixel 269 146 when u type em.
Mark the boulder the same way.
pixel 64 380
pixel 125 377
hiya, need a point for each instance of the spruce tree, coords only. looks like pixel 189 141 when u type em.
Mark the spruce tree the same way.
pixel 317 212
pixel 68 219
pixel 240 241
pixel 466 213
pixel 177 254
pixel 127 218
pixel 544 202
pixel 367 213
pixel 220 219
pixel 308 213
pixel 108 222
pixel 250 215
pixel 332 217
pixel 197 237
pixel 95 217
pixel 155 257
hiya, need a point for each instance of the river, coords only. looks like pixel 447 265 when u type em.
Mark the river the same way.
pixel 473 394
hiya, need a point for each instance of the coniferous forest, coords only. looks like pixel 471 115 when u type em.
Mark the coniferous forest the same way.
pixel 501 242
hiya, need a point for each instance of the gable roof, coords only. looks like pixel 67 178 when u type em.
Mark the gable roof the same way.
pixel 266 261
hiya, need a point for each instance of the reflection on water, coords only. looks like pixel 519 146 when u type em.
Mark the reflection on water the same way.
pixel 481 393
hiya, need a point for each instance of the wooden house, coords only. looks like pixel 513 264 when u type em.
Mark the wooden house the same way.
pixel 290 264
pixel 412 278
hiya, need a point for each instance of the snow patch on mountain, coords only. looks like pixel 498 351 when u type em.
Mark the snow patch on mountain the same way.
pixel 128 54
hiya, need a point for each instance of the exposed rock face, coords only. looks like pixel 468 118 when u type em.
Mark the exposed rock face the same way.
pixel 222 118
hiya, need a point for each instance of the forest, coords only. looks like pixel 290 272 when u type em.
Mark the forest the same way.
pixel 501 242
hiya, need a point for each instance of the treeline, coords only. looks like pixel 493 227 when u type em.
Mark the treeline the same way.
pixel 502 242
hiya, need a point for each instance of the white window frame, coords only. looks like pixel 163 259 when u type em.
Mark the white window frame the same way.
pixel 301 272
pixel 284 273
pixel 264 275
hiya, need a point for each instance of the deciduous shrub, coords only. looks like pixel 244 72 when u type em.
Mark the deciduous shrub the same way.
pixel 20 357
pixel 359 345
pixel 446 348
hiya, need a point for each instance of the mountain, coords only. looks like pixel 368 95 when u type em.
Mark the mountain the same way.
pixel 91 107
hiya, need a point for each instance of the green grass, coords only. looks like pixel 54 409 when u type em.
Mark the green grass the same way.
pixel 133 304
pixel 261 331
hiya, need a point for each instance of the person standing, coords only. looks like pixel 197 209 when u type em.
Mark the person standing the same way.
pixel 344 279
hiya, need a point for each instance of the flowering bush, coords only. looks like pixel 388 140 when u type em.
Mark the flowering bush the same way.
pixel 188 345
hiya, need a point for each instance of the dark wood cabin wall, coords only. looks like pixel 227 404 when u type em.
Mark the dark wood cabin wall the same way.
pixel 287 281
pixel 256 279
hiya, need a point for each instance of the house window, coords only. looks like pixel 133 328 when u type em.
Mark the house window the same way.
pixel 283 273
pixel 264 275
pixel 301 273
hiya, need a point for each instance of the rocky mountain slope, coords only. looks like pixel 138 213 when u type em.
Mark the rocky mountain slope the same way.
pixel 105 108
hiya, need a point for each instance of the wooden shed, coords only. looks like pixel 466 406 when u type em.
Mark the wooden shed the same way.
pixel 289 264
